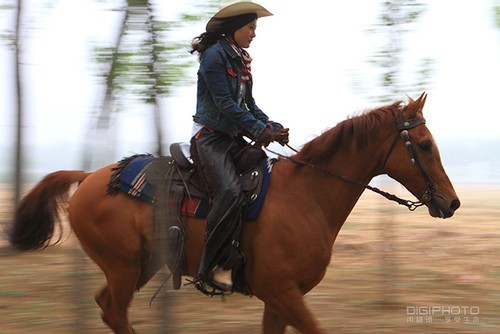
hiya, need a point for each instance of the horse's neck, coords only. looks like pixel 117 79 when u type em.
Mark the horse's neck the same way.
pixel 336 197
pixel 344 193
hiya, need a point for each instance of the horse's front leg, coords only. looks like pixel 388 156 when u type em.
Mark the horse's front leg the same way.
pixel 272 323
pixel 288 307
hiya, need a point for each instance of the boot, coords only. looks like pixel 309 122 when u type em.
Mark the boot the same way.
pixel 222 279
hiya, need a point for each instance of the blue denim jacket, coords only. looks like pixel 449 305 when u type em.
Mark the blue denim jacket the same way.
pixel 219 79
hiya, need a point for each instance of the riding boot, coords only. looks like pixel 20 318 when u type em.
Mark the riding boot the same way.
pixel 213 154
pixel 216 250
pixel 222 279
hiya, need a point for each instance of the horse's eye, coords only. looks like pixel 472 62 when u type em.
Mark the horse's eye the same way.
pixel 425 145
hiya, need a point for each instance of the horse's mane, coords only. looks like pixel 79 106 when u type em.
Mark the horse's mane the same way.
pixel 355 130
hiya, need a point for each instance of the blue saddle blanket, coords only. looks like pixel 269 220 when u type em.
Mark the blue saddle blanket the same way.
pixel 131 179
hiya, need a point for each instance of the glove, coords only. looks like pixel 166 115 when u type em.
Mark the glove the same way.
pixel 275 126
pixel 281 136
pixel 265 138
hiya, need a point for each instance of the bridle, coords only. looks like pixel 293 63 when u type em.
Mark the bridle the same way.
pixel 403 133
pixel 403 128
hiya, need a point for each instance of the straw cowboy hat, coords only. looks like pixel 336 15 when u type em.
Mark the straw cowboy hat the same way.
pixel 235 8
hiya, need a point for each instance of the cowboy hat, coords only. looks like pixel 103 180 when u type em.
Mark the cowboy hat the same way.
pixel 235 8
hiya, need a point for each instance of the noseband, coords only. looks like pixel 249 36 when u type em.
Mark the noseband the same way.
pixel 403 128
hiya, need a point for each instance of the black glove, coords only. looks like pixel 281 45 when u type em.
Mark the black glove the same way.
pixel 281 136
pixel 265 138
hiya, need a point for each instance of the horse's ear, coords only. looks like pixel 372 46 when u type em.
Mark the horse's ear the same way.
pixel 416 106
pixel 421 101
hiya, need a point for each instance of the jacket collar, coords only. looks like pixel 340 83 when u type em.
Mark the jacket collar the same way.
pixel 228 48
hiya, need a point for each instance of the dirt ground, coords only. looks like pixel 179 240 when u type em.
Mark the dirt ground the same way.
pixel 392 271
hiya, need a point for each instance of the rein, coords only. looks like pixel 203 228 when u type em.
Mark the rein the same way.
pixel 403 133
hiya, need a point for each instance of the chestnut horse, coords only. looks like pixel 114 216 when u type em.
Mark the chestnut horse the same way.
pixel 288 247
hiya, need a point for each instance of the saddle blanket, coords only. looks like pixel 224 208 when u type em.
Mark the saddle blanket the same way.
pixel 130 178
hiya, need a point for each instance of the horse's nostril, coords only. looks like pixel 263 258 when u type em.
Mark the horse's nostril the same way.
pixel 455 204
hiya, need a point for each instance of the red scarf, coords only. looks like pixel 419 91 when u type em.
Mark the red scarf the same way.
pixel 246 61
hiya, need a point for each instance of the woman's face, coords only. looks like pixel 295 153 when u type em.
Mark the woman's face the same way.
pixel 244 36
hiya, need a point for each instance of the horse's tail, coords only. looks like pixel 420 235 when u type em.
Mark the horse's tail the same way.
pixel 38 211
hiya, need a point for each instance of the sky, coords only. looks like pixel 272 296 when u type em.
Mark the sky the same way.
pixel 310 71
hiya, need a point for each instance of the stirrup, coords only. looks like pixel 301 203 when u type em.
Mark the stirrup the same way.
pixel 207 289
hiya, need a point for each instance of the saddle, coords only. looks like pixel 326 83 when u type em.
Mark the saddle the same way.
pixel 177 177
pixel 246 164
pixel 189 199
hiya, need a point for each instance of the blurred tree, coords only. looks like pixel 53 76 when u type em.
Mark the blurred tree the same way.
pixel 496 13
pixel 18 176
pixel 14 41
pixel 395 19
pixel 99 131
pixel 145 63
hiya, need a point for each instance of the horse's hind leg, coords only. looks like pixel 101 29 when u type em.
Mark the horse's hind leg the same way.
pixel 115 298
pixel 121 263
pixel 113 231
pixel 151 263
pixel 123 281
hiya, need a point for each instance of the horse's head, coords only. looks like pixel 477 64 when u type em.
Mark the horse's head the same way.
pixel 414 161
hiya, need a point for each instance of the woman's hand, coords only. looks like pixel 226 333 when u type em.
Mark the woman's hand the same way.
pixel 266 137
pixel 281 136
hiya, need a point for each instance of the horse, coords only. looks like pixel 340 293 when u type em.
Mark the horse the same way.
pixel 288 247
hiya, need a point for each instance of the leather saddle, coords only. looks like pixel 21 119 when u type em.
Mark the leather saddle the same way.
pixel 177 176
pixel 247 163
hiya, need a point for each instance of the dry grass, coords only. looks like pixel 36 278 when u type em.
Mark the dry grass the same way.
pixel 385 260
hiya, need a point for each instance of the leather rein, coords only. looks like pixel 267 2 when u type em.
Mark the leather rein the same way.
pixel 403 133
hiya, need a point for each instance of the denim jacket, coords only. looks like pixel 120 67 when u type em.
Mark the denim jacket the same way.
pixel 219 79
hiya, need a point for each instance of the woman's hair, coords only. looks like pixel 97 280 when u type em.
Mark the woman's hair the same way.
pixel 204 41
pixel 227 27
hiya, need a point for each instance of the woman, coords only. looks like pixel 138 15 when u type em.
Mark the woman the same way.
pixel 226 111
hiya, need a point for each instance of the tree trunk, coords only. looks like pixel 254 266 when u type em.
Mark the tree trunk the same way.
pixel 18 177
pixel 153 72
pixel 103 122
